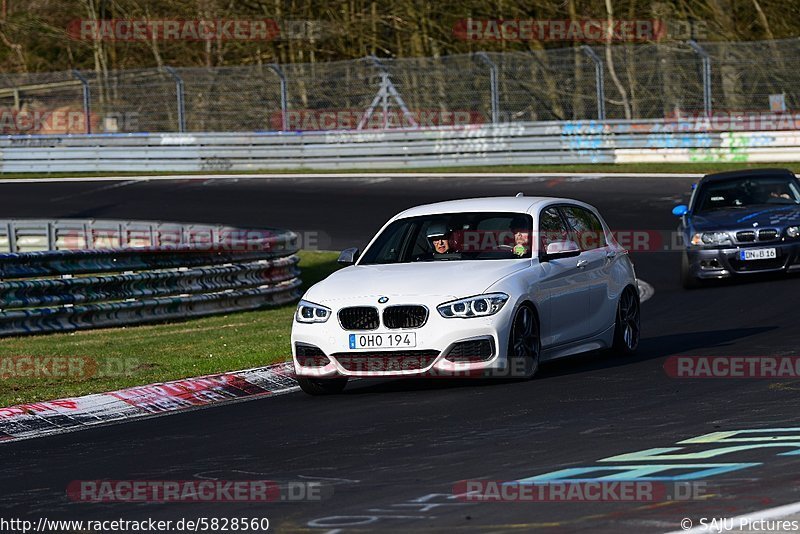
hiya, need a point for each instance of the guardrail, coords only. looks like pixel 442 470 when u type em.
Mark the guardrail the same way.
pixel 691 140
pixel 73 274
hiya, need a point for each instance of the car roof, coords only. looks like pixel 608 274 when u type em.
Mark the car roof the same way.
pixel 499 204
pixel 744 173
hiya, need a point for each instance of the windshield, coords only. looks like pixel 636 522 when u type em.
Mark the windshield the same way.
pixel 745 192
pixel 452 237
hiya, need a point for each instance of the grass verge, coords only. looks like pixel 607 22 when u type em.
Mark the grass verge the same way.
pixel 700 168
pixel 139 355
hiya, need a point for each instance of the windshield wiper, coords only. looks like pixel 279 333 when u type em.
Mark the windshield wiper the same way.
pixel 724 208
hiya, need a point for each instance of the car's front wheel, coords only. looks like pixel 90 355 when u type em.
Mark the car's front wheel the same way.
pixel 628 323
pixel 524 344
pixel 322 386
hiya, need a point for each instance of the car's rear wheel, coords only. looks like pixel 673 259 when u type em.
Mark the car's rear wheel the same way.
pixel 627 327
pixel 524 345
pixel 688 280
pixel 322 386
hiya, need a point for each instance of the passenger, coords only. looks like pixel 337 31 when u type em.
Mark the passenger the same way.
pixel 779 191
pixel 521 240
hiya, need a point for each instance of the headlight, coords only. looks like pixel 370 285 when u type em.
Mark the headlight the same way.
pixel 793 231
pixel 711 238
pixel 477 306
pixel 308 312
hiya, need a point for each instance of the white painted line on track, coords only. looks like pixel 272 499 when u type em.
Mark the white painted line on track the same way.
pixel 646 291
pixel 356 175
pixel 745 519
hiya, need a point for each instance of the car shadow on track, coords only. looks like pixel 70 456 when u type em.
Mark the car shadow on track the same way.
pixel 685 344
pixel 748 279
pixel 681 344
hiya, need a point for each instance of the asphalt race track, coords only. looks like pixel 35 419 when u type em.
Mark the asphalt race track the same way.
pixel 391 451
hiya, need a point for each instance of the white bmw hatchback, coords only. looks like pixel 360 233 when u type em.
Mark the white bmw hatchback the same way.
pixel 478 287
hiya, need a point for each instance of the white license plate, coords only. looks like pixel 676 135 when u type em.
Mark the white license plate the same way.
pixel 382 341
pixel 758 254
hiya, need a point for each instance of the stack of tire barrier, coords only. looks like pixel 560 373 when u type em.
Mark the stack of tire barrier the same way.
pixel 67 275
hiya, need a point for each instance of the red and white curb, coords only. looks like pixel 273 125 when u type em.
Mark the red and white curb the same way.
pixel 39 419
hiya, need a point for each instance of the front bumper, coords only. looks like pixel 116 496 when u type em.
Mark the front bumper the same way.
pixel 725 262
pixel 428 358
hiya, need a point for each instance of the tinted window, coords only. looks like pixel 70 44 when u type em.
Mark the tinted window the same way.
pixel 389 244
pixel 453 236
pixel 551 228
pixel 743 192
pixel 589 233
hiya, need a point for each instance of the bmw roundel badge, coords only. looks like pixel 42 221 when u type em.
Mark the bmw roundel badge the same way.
pixel 383 300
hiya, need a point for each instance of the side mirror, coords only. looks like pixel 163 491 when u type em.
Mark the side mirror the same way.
pixel 561 249
pixel 680 210
pixel 348 256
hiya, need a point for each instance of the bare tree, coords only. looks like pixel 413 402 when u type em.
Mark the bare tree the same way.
pixel 612 72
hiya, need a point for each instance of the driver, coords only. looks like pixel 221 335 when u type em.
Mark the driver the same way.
pixel 439 238
pixel 779 191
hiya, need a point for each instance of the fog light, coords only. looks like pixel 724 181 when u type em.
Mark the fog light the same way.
pixel 478 350
pixel 310 356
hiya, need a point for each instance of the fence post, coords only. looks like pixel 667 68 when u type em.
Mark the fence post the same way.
pixel 284 100
pixel 495 97
pixel 706 61
pixel 12 236
pixel 599 81
pixel 51 235
pixel 87 105
pixel 179 94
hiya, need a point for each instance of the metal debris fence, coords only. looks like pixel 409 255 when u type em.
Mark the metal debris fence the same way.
pixel 619 81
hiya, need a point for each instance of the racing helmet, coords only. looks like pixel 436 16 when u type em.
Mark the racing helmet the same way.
pixel 436 231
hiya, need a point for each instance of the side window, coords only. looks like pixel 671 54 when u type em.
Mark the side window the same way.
pixel 551 228
pixel 388 247
pixel 589 233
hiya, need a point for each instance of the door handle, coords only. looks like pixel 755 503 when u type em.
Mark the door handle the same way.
pixel 582 263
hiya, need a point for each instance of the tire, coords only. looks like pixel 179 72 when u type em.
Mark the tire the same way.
pixel 524 344
pixel 627 327
pixel 688 280
pixel 322 386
